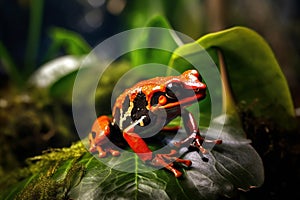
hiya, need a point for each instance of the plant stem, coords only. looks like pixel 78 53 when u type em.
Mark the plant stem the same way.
pixel 36 11
pixel 9 66
pixel 229 101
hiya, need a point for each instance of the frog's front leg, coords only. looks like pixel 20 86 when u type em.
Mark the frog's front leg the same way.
pixel 167 160
pixel 195 139
pixel 139 146
pixel 98 137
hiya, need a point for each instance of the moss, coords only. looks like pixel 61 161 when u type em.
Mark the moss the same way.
pixel 50 155
pixel 48 176
pixel 43 188
pixel 46 187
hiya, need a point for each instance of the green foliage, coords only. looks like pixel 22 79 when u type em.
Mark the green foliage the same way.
pixel 70 42
pixel 34 30
pixel 49 186
pixel 255 78
pixel 58 75
pixel 63 40
pixel 148 55
pixel 106 85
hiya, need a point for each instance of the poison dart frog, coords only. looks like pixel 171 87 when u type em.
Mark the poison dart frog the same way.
pixel 149 104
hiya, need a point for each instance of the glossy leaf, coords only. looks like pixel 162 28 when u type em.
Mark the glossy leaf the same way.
pixel 58 76
pixel 54 70
pixel 254 75
pixel 230 167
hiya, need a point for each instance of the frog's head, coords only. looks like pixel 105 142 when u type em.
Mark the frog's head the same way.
pixel 181 90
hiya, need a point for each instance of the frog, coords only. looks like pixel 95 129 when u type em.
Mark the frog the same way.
pixel 149 105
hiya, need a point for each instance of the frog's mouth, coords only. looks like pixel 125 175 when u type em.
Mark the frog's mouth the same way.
pixel 197 95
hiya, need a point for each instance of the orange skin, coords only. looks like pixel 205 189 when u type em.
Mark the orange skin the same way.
pixel 132 111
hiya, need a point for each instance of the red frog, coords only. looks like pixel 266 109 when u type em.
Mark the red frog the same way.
pixel 149 104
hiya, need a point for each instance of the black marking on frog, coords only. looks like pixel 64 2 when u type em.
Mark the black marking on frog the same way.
pixel 140 109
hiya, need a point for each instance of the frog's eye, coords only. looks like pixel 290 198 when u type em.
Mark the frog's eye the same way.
pixel 173 90
pixel 162 100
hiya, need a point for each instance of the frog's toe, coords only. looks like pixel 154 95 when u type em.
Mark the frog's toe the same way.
pixel 114 152
pixel 158 161
pixel 102 154
pixel 167 160
pixel 92 149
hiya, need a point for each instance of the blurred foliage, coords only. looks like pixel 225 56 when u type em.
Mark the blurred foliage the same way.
pixel 72 43
pixel 107 84
pixel 94 19
pixel 33 117
pixel 157 55
pixel 29 126
pixel 276 21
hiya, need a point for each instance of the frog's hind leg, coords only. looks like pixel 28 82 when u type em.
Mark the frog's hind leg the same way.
pixel 139 146
pixel 159 160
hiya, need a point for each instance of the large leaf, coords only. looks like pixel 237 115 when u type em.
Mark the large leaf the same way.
pixel 230 167
pixel 254 75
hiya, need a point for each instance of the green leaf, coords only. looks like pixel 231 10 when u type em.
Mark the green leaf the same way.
pixel 230 167
pixel 34 32
pixel 254 76
pixel 166 40
pixel 58 76
pixel 62 88
pixel 71 42
pixel 52 71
